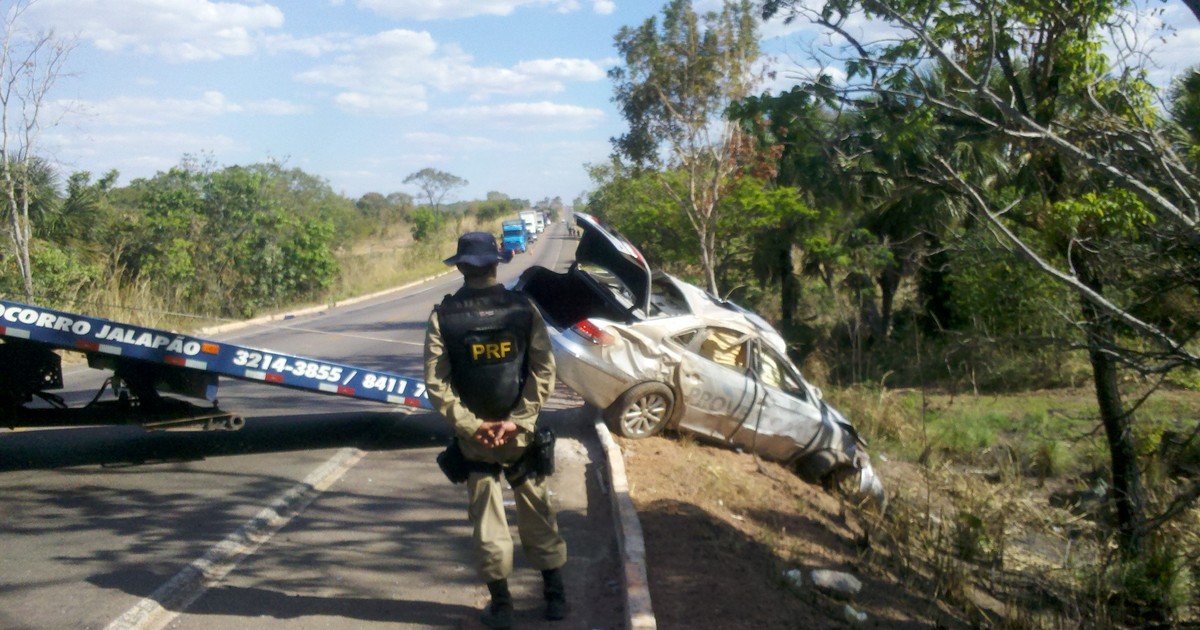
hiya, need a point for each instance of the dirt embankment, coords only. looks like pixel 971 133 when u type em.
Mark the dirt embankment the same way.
pixel 721 532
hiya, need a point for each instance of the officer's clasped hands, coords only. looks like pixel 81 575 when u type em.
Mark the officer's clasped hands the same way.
pixel 493 433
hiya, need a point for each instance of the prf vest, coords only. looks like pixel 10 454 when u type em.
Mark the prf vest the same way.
pixel 486 332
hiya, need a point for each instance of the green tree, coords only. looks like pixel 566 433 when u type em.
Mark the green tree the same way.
pixel 84 213
pixel 435 185
pixel 678 79
pixel 427 223
pixel 226 241
pixel 310 197
pixel 1184 107
pixel 1029 78
pixel 633 202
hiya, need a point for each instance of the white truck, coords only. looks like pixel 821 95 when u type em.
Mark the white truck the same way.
pixel 533 222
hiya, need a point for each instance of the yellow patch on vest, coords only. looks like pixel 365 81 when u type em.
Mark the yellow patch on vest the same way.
pixel 491 350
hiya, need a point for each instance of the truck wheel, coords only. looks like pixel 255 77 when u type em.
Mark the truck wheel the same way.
pixel 641 411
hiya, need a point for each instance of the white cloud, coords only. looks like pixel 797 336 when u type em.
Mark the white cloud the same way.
pixel 307 46
pixel 389 72
pixel 393 103
pixel 179 30
pixel 135 111
pixel 442 141
pixel 570 69
pixel 604 7
pixel 276 107
pixel 454 9
pixel 138 153
pixel 540 116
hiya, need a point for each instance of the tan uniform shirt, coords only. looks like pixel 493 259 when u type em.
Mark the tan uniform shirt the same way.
pixel 539 384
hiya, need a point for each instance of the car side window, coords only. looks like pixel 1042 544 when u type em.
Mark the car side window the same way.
pixel 726 347
pixel 685 338
pixel 774 371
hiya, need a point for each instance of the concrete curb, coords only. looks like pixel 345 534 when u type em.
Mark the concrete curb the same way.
pixel 630 543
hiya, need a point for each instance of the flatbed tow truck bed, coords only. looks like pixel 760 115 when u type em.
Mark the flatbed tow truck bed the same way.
pixel 146 360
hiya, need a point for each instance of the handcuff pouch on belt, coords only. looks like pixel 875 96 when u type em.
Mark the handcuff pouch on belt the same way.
pixel 537 461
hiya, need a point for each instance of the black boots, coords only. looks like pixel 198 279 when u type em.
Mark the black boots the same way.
pixel 499 613
pixel 555 594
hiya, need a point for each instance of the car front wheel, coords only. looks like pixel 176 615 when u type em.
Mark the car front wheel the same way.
pixel 641 411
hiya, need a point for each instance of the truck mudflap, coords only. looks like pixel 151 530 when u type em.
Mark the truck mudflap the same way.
pixel 149 359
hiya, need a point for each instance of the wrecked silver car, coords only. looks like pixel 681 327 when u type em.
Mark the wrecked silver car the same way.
pixel 654 352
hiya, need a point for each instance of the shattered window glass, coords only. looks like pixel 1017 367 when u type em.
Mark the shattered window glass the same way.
pixel 665 298
pixel 775 371
pixel 726 347
pixel 685 338
pixel 610 281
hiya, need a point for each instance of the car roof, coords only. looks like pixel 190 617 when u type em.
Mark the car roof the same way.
pixel 716 311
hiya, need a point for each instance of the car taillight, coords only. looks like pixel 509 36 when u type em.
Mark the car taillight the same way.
pixel 592 333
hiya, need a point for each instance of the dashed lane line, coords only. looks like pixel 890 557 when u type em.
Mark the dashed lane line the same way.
pixel 173 597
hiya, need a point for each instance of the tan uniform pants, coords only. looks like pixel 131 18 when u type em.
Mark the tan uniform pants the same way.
pixel 536 524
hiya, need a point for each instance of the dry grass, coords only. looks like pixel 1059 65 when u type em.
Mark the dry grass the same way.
pixel 382 264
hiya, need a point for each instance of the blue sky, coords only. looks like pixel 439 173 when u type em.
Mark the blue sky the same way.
pixel 510 95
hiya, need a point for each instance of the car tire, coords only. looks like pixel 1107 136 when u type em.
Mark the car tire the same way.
pixel 643 410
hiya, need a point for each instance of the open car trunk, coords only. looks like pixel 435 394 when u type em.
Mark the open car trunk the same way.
pixel 566 299
pixel 569 298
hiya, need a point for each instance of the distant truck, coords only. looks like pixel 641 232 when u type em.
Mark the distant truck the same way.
pixel 530 217
pixel 513 237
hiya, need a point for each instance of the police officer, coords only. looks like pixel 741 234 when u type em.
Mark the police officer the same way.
pixel 488 370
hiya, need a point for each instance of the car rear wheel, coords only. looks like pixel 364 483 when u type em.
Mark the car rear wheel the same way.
pixel 641 411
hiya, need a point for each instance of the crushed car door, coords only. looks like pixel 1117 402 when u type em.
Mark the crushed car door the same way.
pixel 717 387
pixel 787 419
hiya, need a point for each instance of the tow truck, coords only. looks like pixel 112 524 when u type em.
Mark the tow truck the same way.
pixel 147 362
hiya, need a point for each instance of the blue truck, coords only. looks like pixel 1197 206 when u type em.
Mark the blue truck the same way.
pixel 513 236
pixel 147 362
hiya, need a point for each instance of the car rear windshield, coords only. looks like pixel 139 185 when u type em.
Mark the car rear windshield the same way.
pixel 610 281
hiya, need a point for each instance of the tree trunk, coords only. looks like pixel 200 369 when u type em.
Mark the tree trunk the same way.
pixel 889 284
pixel 1128 494
pixel 708 260
pixel 789 290
pixel 20 239
pixel 932 287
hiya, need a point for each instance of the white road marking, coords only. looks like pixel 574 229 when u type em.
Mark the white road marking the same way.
pixel 173 597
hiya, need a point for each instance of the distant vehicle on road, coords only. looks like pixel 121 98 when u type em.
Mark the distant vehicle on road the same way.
pixel 513 237
pixel 530 217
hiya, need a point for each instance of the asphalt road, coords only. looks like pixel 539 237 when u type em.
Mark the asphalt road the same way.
pixel 322 512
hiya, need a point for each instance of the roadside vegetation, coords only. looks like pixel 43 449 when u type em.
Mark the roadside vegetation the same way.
pixel 977 225
pixel 202 243
pixel 979 232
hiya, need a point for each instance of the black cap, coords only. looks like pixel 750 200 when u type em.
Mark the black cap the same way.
pixel 478 249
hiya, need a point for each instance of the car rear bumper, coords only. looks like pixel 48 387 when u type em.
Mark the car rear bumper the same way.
pixel 582 369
